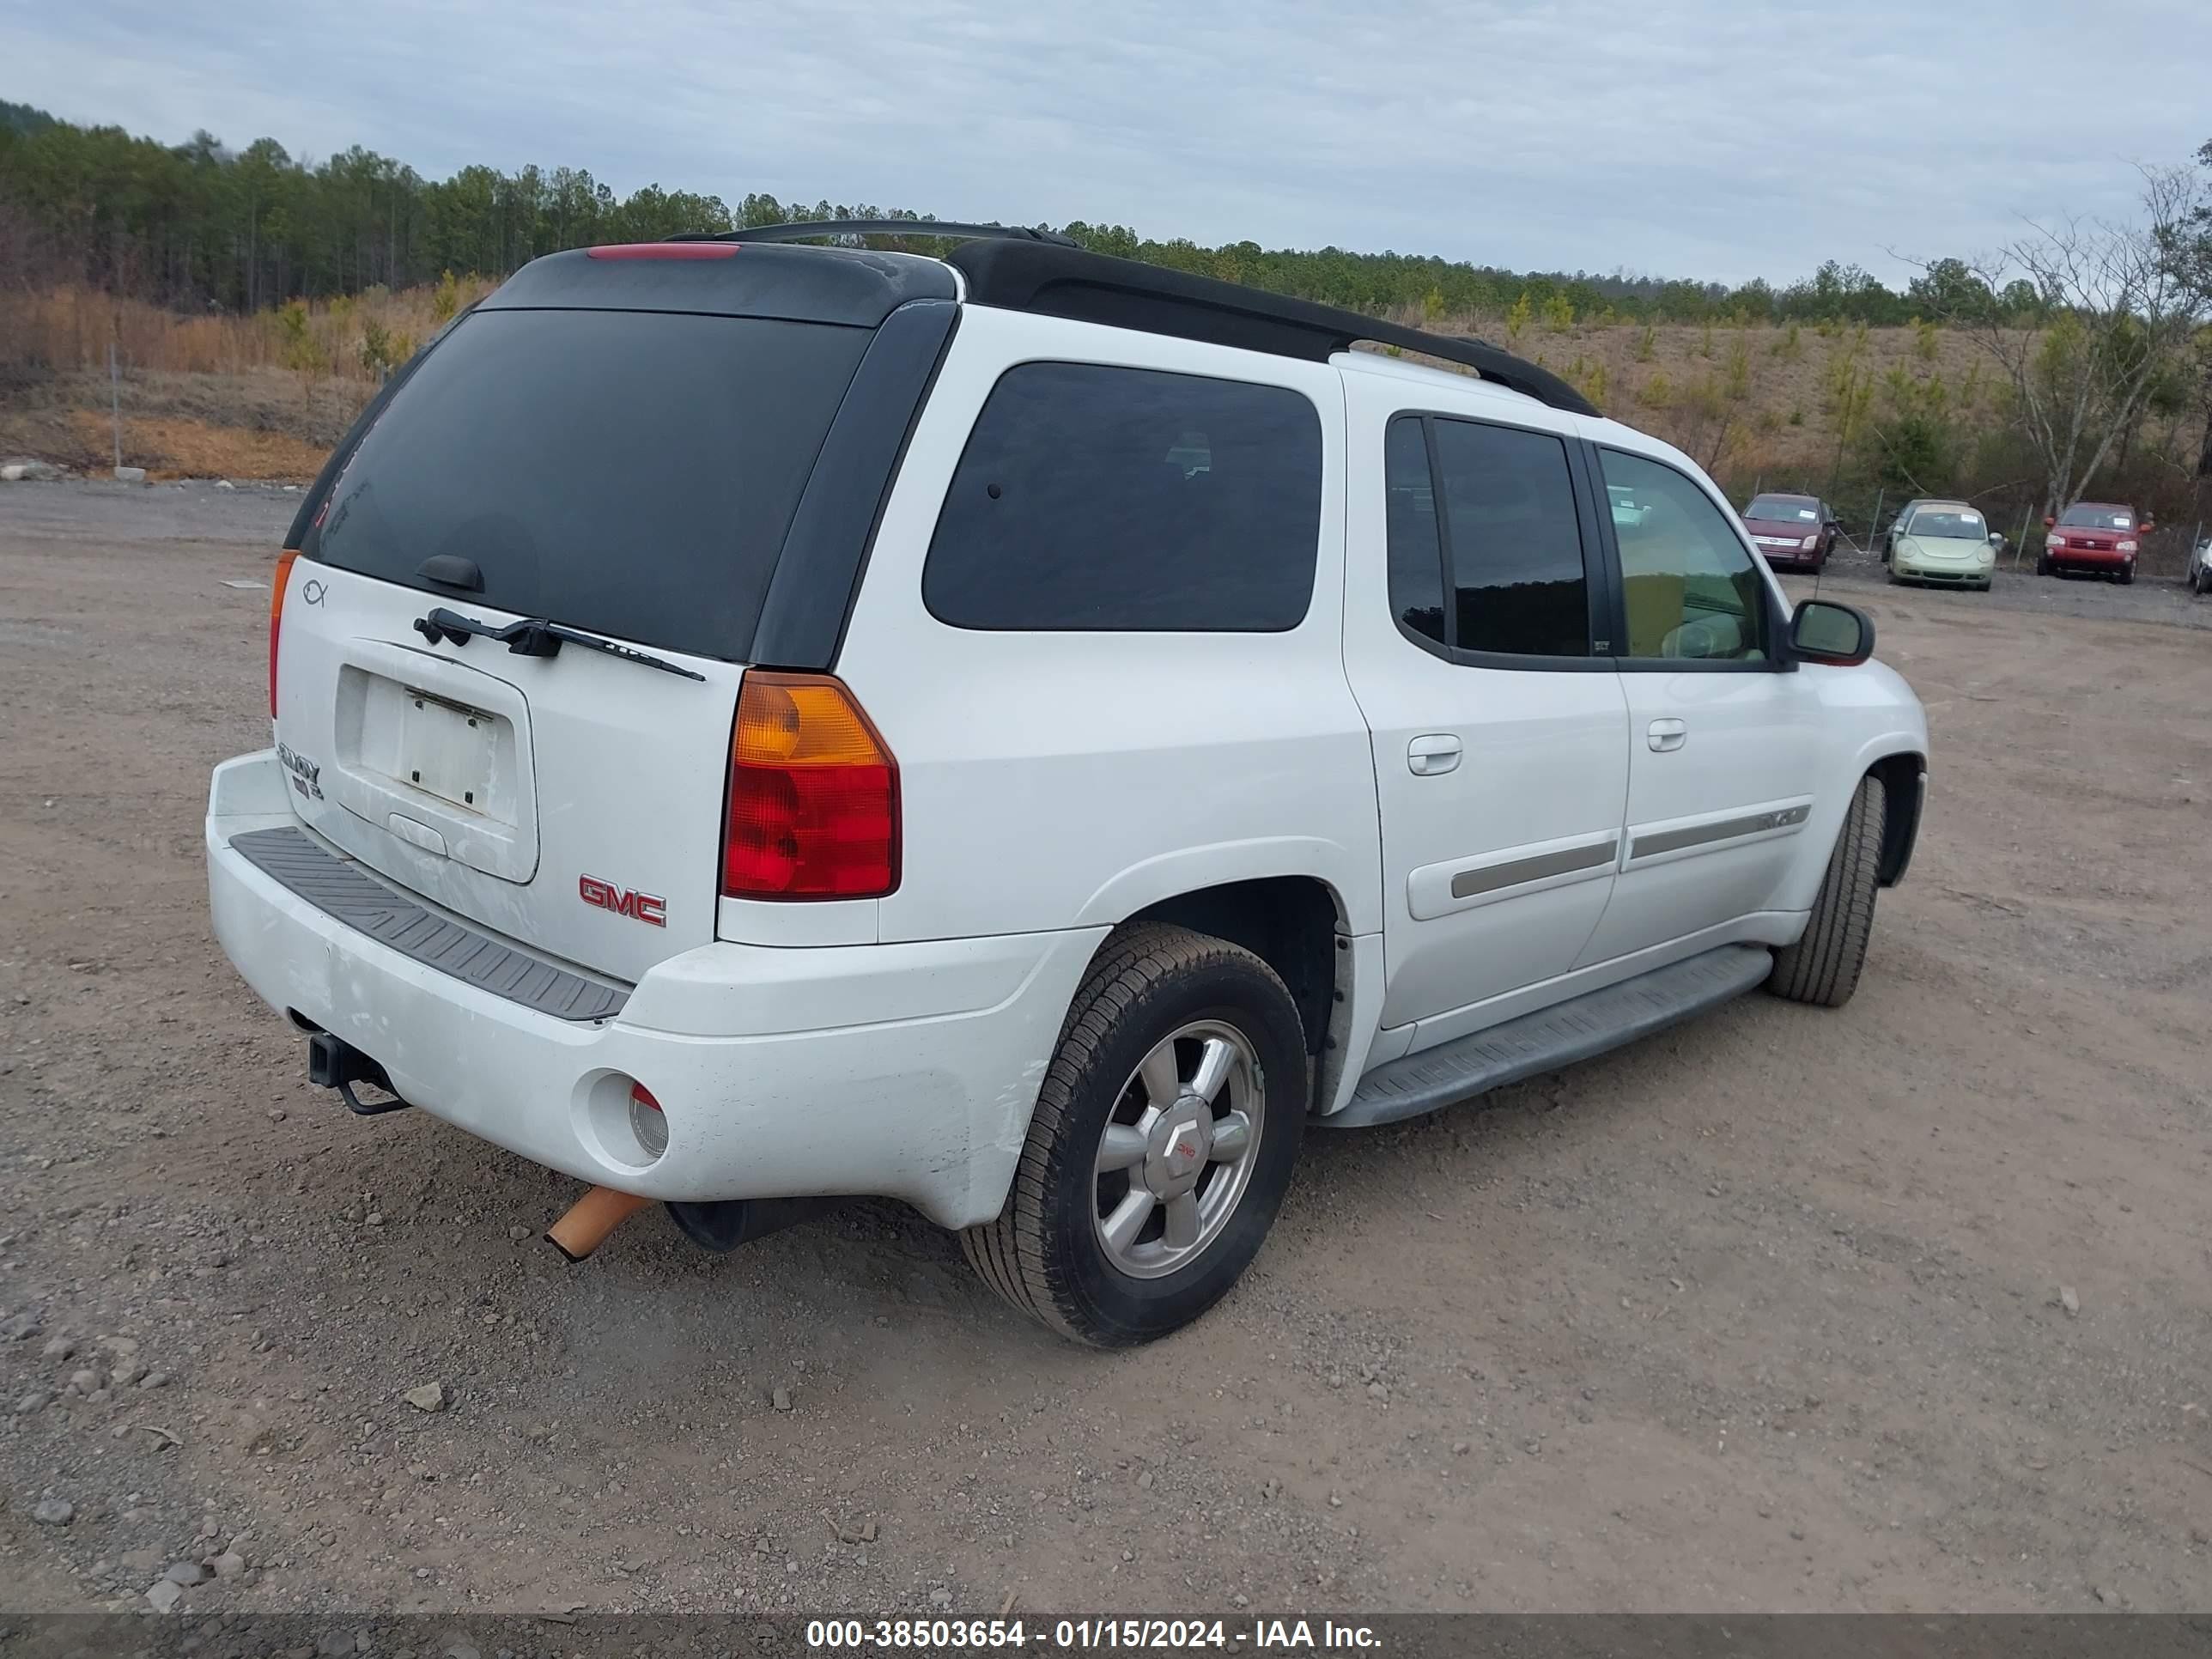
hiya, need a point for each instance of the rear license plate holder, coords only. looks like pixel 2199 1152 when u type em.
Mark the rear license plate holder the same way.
pixel 448 750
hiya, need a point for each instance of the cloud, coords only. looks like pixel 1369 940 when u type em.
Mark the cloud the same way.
pixel 1703 138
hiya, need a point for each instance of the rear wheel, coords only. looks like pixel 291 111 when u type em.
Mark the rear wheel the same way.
pixel 1822 967
pixel 1162 1144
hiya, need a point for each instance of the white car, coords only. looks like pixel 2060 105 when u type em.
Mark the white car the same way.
pixel 1026 734
pixel 2200 568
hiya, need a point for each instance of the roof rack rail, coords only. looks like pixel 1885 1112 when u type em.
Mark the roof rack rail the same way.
pixel 1064 281
pixel 1023 269
pixel 801 232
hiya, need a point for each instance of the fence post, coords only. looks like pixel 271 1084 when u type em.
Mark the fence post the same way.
pixel 1874 525
pixel 115 402
pixel 2020 542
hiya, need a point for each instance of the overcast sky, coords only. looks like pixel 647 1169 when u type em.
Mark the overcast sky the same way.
pixel 1716 139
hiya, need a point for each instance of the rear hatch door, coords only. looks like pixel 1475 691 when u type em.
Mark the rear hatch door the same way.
pixel 628 475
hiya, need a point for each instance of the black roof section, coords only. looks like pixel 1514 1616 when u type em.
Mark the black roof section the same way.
pixel 1011 266
pixel 1094 288
pixel 855 286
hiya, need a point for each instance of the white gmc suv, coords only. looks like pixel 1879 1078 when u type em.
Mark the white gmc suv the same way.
pixel 1025 733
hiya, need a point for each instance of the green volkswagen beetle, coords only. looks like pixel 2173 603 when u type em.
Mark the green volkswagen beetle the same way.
pixel 1945 542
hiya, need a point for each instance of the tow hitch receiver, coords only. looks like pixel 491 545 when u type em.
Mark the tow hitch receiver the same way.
pixel 336 1064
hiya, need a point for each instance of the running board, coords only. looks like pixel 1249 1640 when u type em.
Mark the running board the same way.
pixel 1551 1037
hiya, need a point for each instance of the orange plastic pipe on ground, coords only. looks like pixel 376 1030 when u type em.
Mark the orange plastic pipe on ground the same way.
pixel 590 1219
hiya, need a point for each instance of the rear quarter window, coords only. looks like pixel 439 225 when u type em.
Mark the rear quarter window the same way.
pixel 1097 498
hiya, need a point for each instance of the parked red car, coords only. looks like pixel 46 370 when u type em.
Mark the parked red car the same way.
pixel 2095 539
pixel 1794 533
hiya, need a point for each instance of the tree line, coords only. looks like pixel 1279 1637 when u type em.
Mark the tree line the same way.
pixel 202 225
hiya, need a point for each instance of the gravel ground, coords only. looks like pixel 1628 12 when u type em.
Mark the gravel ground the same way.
pixel 2151 600
pixel 1906 1306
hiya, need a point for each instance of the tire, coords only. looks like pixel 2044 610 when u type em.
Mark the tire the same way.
pixel 2127 575
pixel 1046 1251
pixel 2043 566
pixel 1822 967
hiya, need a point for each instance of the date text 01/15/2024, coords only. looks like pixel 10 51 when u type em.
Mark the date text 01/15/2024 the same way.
pixel 1084 1635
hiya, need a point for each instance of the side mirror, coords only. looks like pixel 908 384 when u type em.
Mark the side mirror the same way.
pixel 1840 636
pixel 2049 522
pixel 2146 528
pixel 1997 541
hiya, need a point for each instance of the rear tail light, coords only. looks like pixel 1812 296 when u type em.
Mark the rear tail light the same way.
pixel 646 1122
pixel 276 585
pixel 814 798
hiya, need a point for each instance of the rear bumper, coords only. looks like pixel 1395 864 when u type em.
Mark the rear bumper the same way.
pixel 908 1071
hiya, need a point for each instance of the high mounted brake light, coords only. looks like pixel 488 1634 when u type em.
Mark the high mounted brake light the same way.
pixel 663 250
pixel 277 583
pixel 813 808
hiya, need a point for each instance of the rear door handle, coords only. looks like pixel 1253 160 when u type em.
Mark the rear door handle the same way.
pixel 1430 755
pixel 1664 735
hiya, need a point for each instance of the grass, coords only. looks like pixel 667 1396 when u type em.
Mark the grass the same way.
pixel 1773 430
pixel 260 424
pixel 264 396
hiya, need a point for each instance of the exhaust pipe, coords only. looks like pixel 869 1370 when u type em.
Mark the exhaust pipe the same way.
pixel 588 1221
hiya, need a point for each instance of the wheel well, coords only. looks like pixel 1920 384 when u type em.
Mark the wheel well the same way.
pixel 1900 776
pixel 1289 923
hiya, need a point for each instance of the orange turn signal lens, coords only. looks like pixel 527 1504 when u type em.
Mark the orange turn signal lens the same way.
pixel 278 584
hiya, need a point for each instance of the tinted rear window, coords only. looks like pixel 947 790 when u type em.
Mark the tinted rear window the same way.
pixel 1516 549
pixel 632 473
pixel 1094 498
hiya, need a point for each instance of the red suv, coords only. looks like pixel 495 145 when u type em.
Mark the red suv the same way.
pixel 2096 538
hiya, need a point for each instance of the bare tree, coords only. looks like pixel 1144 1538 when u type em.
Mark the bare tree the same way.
pixel 2116 304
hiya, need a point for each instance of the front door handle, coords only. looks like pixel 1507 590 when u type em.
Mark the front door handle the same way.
pixel 1430 755
pixel 1664 735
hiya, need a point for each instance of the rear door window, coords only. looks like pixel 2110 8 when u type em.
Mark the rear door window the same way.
pixel 1499 572
pixel 630 473
pixel 1093 498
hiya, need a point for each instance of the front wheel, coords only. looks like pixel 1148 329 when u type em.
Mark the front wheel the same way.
pixel 2042 566
pixel 1822 967
pixel 2127 574
pixel 1162 1144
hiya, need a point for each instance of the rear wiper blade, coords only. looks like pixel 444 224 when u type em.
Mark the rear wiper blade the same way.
pixel 536 636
